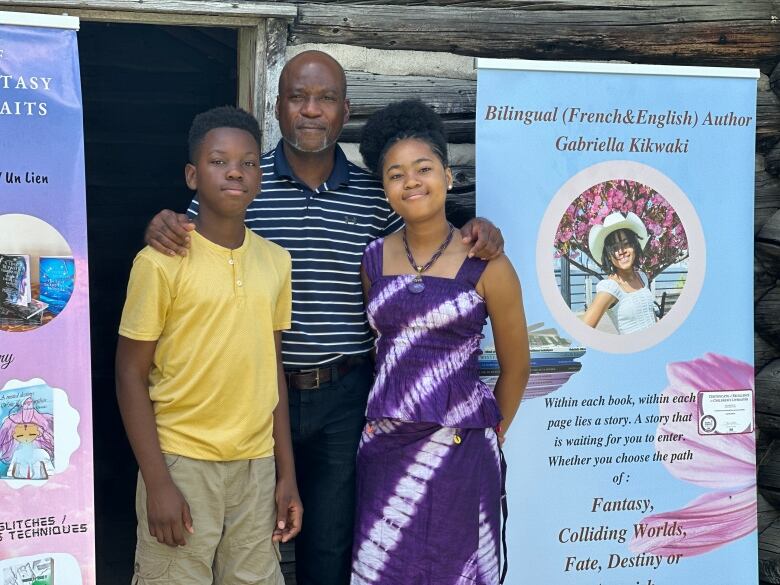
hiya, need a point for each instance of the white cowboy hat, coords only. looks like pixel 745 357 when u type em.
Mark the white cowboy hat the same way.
pixel 612 223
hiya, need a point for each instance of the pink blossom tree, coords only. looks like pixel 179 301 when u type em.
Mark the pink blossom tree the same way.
pixel 667 243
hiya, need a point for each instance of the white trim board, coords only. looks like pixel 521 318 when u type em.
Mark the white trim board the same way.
pixel 40 20
pixel 616 68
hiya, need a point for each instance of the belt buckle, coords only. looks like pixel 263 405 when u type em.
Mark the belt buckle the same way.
pixel 316 379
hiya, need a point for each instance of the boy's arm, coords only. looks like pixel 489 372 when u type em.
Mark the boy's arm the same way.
pixel 289 509
pixel 167 511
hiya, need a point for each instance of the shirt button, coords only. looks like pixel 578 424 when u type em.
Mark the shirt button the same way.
pixel 231 261
pixel 239 283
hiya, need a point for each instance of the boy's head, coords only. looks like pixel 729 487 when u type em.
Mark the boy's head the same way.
pixel 221 117
pixel 224 165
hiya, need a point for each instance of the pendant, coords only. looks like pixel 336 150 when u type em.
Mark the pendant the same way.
pixel 417 285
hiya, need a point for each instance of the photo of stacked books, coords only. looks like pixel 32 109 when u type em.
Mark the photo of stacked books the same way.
pixel 25 303
pixel 17 307
pixel 553 362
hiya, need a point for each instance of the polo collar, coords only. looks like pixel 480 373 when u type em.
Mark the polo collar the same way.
pixel 338 176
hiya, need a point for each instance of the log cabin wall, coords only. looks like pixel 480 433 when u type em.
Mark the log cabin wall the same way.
pixel 394 50
pixel 398 49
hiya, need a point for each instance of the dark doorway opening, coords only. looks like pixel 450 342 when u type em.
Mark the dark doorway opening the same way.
pixel 141 85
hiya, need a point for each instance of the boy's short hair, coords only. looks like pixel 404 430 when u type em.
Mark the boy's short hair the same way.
pixel 221 117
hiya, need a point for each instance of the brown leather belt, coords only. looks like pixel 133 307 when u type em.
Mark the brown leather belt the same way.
pixel 313 378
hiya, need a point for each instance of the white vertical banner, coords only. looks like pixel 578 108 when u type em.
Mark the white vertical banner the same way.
pixel 625 194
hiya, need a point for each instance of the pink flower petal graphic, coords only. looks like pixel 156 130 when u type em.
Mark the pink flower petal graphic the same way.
pixel 717 461
pixel 708 522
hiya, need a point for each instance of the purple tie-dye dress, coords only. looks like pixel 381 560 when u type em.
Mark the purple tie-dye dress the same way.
pixel 429 476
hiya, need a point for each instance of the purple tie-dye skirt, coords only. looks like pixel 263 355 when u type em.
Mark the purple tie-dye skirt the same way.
pixel 428 505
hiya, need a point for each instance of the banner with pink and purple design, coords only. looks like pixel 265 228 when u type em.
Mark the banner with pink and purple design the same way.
pixel 46 475
pixel 625 195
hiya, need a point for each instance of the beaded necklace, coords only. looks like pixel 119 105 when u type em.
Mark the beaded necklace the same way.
pixel 417 285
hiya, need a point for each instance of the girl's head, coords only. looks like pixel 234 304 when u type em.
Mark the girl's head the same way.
pixel 405 145
pixel 26 425
pixel 617 243
pixel 622 251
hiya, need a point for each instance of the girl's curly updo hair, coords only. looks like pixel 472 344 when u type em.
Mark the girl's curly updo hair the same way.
pixel 399 121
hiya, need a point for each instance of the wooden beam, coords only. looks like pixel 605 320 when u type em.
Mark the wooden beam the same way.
pixel 767 310
pixel 369 93
pixel 772 161
pixel 186 7
pixel 250 64
pixel 768 401
pixel 261 52
pixel 764 353
pixel 459 130
pixel 275 58
pixel 176 19
pixel 767 198
pixel 769 553
pixel 767 115
pixel 733 32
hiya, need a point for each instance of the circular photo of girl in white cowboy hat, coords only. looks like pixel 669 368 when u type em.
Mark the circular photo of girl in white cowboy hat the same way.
pixel 628 256
pixel 622 256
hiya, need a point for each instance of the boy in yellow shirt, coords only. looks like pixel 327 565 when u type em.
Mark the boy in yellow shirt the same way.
pixel 200 382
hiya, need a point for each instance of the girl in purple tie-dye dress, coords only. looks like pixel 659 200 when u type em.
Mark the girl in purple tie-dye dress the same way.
pixel 429 471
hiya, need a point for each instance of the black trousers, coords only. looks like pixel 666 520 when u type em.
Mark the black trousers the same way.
pixel 326 427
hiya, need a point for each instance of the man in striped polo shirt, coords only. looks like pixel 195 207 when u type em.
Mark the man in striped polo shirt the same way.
pixel 324 210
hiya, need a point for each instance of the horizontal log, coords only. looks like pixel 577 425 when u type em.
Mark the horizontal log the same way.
pixel 460 206
pixel 733 32
pixel 772 160
pixel 768 401
pixel 766 513
pixel 765 274
pixel 766 321
pixel 767 265
pixel 774 79
pixel 394 62
pixel 767 115
pixel 763 354
pixel 369 93
pixel 769 553
pixel 767 198
pixel 459 130
pixel 171 7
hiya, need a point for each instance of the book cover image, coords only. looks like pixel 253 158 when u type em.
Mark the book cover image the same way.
pixel 30 572
pixel 57 275
pixel 15 284
pixel 37 272
pixel 27 433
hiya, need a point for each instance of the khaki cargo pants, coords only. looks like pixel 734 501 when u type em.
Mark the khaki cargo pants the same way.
pixel 233 515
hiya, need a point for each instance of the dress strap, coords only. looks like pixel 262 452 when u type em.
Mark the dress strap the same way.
pixel 372 259
pixel 471 271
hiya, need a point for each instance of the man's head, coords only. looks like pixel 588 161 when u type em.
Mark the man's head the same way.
pixel 312 105
pixel 224 165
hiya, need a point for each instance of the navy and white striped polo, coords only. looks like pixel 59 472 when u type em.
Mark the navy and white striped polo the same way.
pixel 325 231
